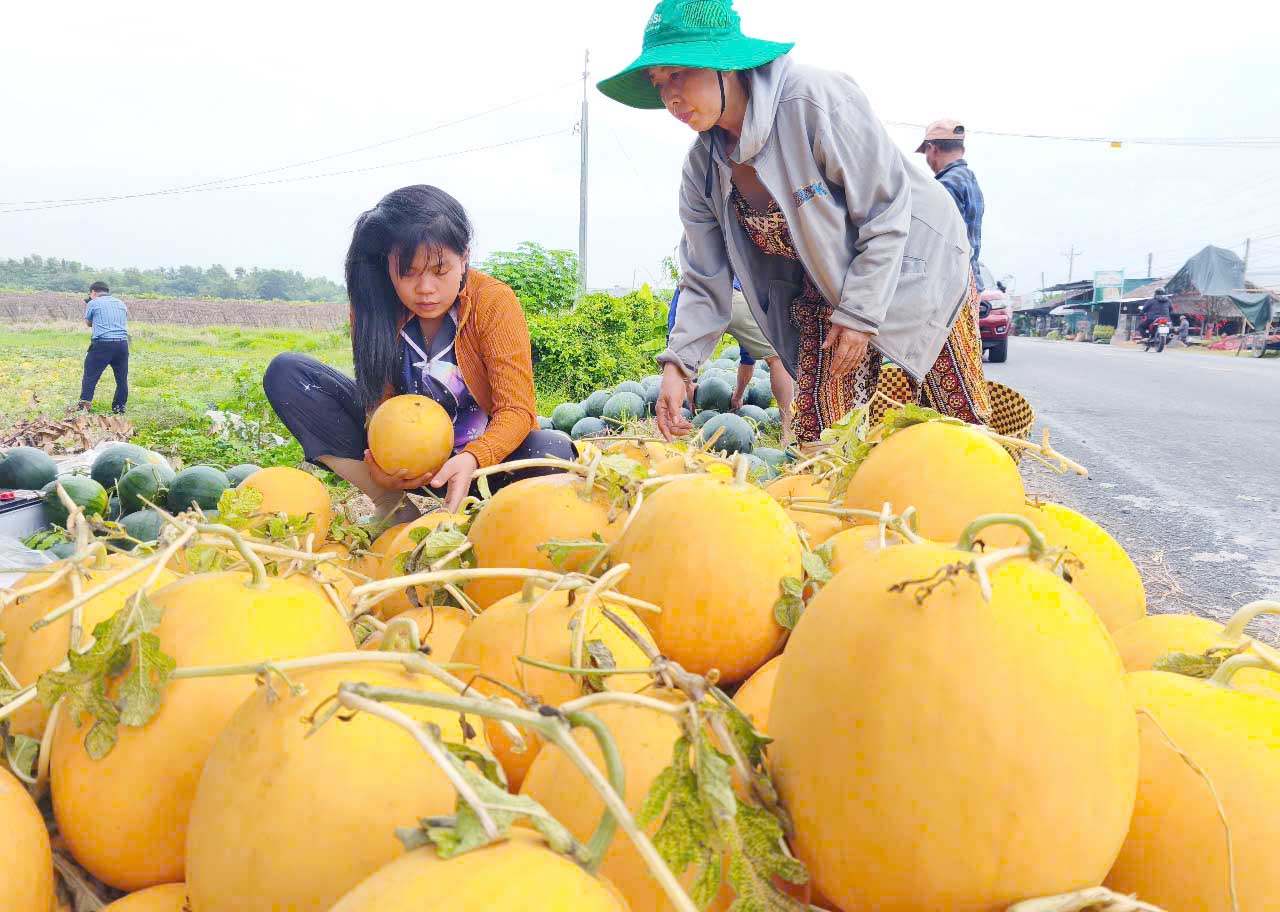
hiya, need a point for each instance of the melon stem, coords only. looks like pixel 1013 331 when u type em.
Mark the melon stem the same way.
pixel 88 596
pixel 602 838
pixel 556 730
pixel 1234 632
pixel 1227 670
pixel 256 567
pixel 578 670
pixel 607 581
pixel 516 465
pixel 970 533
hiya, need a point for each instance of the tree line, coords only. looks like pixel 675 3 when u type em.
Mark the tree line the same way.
pixel 37 273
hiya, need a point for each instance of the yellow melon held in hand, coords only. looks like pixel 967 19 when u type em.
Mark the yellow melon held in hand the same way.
pixel 712 555
pixel 951 474
pixel 412 433
pixel 939 751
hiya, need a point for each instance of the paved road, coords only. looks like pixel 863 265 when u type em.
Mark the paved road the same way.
pixel 1183 450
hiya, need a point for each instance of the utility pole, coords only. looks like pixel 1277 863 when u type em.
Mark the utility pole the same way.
pixel 582 191
pixel 1148 265
pixel 1042 281
pixel 1071 260
pixel 1247 242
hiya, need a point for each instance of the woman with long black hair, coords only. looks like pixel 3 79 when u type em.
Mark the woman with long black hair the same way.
pixel 424 322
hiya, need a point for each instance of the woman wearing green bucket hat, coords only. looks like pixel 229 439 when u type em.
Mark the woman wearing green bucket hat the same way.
pixel 844 249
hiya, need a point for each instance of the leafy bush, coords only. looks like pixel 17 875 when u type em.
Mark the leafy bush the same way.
pixel 1103 333
pixel 1054 335
pixel 599 342
pixel 544 280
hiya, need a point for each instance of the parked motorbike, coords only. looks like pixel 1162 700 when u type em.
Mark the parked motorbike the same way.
pixel 1157 334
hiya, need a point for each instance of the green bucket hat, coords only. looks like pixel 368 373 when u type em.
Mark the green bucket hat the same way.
pixel 689 33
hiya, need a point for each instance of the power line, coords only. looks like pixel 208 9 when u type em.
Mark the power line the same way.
pixel 1225 142
pixel 52 203
pixel 302 177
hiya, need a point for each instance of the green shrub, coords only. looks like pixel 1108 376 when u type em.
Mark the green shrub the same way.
pixel 544 280
pixel 1054 335
pixel 1103 333
pixel 598 343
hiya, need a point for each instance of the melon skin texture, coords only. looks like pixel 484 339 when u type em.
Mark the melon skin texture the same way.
pixel 29 654
pixel 951 474
pixel 1144 641
pixel 201 484
pixel 817 527
pixel 716 588
pixel 519 874
pixel 528 513
pixel 125 816
pixel 26 468
pixel 164 898
pixel 566 415
pixel 410 432
pixel 114 461
pixel 1175 856
pixel 142 487
pixel 84 492
pixel 755 696
pixel 1108 579
pixel 347 786
pixel 295 493
pixel 536 624
pixel 736 435
pixel 955 754
pixel 237 474
pixel 26 864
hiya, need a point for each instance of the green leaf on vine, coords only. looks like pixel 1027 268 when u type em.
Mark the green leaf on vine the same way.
pixel 429 546
pixel 22 752
pixel 790 604
pixel 122 641
pixel 560 550
pixel 1193 665
pixel 238 506
pixel 910 415
pixel 598 656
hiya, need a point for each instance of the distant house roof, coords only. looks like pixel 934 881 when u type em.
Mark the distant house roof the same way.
pixel 1081 285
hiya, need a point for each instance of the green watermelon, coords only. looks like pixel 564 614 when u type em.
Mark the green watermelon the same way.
pixel 588 427
pixel 202 484
pixel 775 457
pixel 703 417
pixel 110 465
pixel 237 474
pixel 651 380
pixel 62 550
pixel 753 413
pixel 26 468
pixel 566 415
pixel 624 406
pixel 144 483
pixel 686 414
pixel 594 404
pixel 544 424
pixel 737 436
pixel 651 400
pixel 84 492
pixel 725 364
pixel 113 508
pixel 714 393
pixel 630 386
pixel 144 525
pixel 759 470
pixel 759 393
pixel 732 353
pixel 774 416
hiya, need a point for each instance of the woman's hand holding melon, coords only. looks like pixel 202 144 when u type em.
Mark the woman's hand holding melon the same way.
pixel 398 480
pixel 671 398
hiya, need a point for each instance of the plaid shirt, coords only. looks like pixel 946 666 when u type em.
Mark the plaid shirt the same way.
pixel 963 185
pixel 110 318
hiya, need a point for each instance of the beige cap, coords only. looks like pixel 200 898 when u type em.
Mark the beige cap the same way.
pixel 943 129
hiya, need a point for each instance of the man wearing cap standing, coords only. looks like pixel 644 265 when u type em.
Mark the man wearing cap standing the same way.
pixel 943 149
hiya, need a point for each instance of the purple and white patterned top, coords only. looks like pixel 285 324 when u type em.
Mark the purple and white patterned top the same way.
pixel 432 371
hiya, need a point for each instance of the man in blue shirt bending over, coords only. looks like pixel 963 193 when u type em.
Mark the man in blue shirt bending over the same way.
pixel 109 346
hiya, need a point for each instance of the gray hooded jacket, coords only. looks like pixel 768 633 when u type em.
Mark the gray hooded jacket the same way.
pixel 882 240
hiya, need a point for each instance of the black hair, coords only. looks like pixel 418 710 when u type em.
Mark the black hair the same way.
pixel 947 145
pixel 99 286
pixel 404 220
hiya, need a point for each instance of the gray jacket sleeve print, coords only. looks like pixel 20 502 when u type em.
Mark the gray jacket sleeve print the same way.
pixel 706 283
pixel 855 151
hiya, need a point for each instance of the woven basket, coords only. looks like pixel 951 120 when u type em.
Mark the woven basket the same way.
pixel 1011 414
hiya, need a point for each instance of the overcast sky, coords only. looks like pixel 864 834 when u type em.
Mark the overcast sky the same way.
pixel 109 99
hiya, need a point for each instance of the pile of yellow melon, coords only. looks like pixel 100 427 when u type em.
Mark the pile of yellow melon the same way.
pixel 964 716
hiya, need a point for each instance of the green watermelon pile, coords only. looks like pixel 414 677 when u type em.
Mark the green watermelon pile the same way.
pixel 739 431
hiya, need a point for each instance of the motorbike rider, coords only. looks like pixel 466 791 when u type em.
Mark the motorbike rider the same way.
pixel 1160 306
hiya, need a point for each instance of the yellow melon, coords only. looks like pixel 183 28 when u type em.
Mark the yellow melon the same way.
pixel 164 898
pixel 293 492
pixel 26 864
pixel 410 432
pixel 817 527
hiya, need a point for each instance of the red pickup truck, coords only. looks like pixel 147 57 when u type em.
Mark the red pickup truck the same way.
pixel 995 320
